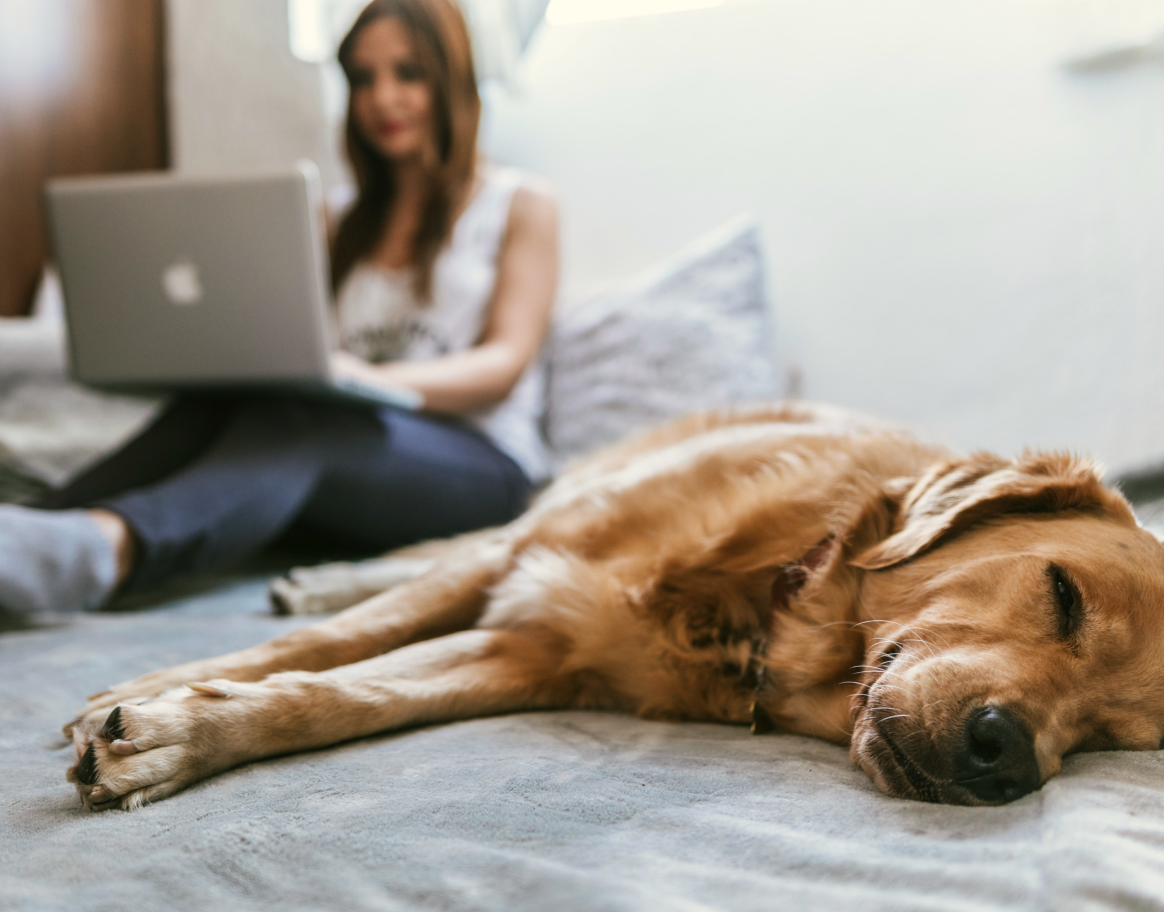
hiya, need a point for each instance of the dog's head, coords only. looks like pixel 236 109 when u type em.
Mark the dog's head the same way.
pixel 1015 615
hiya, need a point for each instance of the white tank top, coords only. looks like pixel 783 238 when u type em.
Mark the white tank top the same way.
pixel 380 318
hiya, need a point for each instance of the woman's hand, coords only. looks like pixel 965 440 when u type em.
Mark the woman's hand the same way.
pixel 346 365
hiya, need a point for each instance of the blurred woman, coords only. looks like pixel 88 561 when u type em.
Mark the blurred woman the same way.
pixel 444 269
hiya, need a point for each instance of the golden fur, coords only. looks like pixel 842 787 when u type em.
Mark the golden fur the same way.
pixel 955 620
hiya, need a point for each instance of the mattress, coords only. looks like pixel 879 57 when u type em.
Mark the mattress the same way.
pixel 541 811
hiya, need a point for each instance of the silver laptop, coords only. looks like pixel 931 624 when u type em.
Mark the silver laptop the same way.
pixel 174 282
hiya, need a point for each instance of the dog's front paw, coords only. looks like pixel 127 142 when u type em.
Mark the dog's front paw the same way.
pixel 144 751
pixel 147 687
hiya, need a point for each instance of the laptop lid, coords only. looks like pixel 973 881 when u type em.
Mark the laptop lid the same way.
pixel 174 281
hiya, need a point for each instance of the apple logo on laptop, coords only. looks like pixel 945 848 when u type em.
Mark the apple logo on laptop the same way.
pixel 181 283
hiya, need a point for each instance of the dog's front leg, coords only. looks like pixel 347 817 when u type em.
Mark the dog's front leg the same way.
pixel 143 752
pixel 448 598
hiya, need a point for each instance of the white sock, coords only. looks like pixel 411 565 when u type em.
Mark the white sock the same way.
pixel 53 562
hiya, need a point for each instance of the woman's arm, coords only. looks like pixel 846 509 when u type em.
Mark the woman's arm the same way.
pixel 527 277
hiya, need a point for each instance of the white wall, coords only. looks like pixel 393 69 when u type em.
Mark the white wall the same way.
pixel 239 100
pixel 962 235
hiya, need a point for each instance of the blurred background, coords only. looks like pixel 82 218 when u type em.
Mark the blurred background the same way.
pixel 961 201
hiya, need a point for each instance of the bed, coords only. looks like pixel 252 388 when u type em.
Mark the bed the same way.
pixel 538 811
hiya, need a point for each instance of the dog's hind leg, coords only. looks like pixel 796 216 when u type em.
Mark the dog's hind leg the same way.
pixel 448 598
pixel 327 588
pixel 139 753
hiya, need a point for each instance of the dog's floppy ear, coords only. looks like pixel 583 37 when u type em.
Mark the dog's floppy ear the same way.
pixel 955 494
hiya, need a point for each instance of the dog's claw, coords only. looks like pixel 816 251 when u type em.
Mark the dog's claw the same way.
pixel 113 730
pixel 87 768
pixel 208 690
pixel 123 747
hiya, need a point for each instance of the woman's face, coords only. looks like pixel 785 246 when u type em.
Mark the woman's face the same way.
pixel 391 100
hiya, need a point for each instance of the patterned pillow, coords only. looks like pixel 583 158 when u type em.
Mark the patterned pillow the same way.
pixel 691 333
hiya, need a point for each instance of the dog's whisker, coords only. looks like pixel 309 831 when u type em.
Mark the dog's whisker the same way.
pixel 892 687
pixel 928 631
pixel 889 708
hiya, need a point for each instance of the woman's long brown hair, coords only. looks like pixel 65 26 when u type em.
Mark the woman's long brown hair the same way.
pixel 440 41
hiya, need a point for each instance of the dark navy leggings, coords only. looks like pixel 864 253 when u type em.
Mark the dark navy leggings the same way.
pixel 214 479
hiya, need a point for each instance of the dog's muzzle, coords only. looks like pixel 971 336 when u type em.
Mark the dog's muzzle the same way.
pixel 995 761
pixel 991 761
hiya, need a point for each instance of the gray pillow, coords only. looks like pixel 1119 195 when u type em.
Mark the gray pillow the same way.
pixel 689 334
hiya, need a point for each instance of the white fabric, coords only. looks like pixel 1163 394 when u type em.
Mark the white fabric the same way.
pixel 381 319
pixel 500 31
pixel 690 334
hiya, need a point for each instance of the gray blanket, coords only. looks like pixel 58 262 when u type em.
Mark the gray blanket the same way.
pixel 546 811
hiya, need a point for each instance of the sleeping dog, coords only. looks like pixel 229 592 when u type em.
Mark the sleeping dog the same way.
pixel 961 623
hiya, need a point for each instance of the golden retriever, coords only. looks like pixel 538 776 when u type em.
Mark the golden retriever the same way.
pixel 961 623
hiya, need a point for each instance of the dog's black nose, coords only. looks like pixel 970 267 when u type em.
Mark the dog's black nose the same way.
pixel 996 759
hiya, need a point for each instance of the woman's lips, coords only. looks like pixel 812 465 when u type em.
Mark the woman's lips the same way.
pixel 391 127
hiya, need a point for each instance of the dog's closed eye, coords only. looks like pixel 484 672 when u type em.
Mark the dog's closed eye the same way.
pixel 1067 601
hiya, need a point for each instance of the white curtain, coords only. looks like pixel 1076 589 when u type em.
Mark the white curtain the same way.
pixel 500 30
